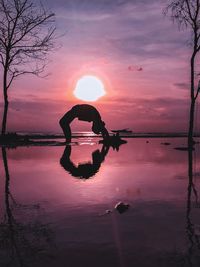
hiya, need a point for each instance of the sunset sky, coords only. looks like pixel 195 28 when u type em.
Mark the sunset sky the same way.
pixel 138 53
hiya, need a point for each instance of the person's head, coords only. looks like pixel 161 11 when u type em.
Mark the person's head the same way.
pixel 98 126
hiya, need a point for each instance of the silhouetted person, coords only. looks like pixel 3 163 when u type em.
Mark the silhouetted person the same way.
pixel 83 112
pixel 83 170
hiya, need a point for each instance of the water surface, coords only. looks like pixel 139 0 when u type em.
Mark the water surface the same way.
pixel 57 205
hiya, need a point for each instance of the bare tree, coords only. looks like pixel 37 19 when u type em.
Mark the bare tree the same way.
pixel 187 14
pixel 26 37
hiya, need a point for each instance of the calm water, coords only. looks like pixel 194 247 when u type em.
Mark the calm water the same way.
pixel 57 205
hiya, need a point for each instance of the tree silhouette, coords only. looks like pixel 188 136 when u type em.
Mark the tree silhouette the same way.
pixel 187 14
pixel 24 239
pixel 192 201
pixel 26 37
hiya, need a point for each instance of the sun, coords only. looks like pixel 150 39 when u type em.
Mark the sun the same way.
pixel 89 88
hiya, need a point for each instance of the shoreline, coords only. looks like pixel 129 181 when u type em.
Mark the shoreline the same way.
pixel 74 135
pixel 14 140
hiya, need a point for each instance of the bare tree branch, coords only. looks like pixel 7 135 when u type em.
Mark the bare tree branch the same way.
pixel 2 60
pixel 27 34
pixel 188 4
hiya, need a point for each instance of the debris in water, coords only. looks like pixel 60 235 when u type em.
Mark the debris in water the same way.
pixel 166 144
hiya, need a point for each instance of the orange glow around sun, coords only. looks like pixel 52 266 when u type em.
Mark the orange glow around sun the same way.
pixel 89 88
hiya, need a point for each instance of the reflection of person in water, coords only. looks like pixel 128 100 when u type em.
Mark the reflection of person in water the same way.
pixel 83 170
pixel 83 112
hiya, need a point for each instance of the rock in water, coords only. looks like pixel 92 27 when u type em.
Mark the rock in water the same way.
pixel 122 207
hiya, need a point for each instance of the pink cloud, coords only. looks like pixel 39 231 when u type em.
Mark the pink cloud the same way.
pixel 134 68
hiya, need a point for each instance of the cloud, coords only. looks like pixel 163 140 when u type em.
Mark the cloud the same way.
pixel 119 29
pixel 183 85
pixel 134 68
pixel 98 6
pixel 143 114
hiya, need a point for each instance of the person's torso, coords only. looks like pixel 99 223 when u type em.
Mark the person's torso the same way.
pixel 86 112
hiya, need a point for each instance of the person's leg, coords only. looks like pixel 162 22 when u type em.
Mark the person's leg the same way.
pixel 67 132
pixel 65 125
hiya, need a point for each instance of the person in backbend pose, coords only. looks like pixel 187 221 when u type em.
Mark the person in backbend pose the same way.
pixel 83 112
pixel 83 170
